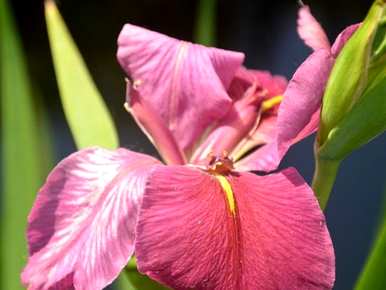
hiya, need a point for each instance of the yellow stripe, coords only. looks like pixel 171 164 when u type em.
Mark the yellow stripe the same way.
pixel 270 103
pixel 228 191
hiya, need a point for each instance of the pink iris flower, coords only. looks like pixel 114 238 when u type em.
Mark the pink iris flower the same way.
pixel 201 221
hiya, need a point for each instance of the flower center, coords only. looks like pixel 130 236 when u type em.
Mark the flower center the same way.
pixel 270 103
pixel 220 164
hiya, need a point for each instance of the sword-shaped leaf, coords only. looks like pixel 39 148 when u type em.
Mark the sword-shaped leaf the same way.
pixel 85 110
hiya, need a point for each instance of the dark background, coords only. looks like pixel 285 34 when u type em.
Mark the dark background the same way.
pixel 266 32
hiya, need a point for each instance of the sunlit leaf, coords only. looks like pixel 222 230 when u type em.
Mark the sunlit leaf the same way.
pixel 86 113
pixel 24 156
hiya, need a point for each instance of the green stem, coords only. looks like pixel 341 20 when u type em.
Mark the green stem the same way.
pixel 324 179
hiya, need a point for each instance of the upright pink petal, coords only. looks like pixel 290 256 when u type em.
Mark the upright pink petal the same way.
pixel 81 228
pixel 186 82
pixel 189 237
pixel 342 38
pixel 153 126
pixel 311 31
pixel 298 114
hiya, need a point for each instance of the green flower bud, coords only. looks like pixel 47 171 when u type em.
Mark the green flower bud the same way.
pixel 354 104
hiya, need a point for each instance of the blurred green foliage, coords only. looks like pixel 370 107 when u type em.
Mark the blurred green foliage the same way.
pixel 26 154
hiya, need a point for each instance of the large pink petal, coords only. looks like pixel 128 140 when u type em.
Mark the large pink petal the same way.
pixel 81 228
pixel 188 238
pixel 311 31
pixel 298 114
pixel 186 82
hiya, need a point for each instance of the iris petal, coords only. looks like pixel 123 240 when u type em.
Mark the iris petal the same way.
pixel 298 115
pixel 186 82
pixel 188 238
pixel 81 228
pixel 310 30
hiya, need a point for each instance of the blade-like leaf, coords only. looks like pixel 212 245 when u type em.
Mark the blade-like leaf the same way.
pixel 25 153
pixel 373 274
pixel 86 113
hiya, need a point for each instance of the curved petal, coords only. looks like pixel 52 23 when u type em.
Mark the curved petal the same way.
pixel 249 89
pixel 342 38
pixel 298 114
pixel 81 228
pixel 272 85
pixel 265 133
pixel 228 132
pixel 148 119
pixel 186 82
pixel 310 30
pixel 273 237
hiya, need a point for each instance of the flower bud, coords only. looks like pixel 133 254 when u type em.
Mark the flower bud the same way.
pixel 354 109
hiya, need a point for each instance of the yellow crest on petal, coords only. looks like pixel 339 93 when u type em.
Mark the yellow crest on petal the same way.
pixel 227 188
pixel 270 103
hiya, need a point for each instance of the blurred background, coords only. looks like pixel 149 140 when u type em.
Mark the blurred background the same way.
pixel 266 32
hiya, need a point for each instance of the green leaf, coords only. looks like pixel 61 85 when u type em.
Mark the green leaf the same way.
pixel 141 282
pixel 25 154
pixel 205 30
pixel 373 274
pixel 85 110
pixel 348 78
pixel 133 280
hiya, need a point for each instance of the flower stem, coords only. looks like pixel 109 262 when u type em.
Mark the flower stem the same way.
pixel 324 178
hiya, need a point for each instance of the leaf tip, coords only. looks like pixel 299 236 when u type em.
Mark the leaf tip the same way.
pixel 49 5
